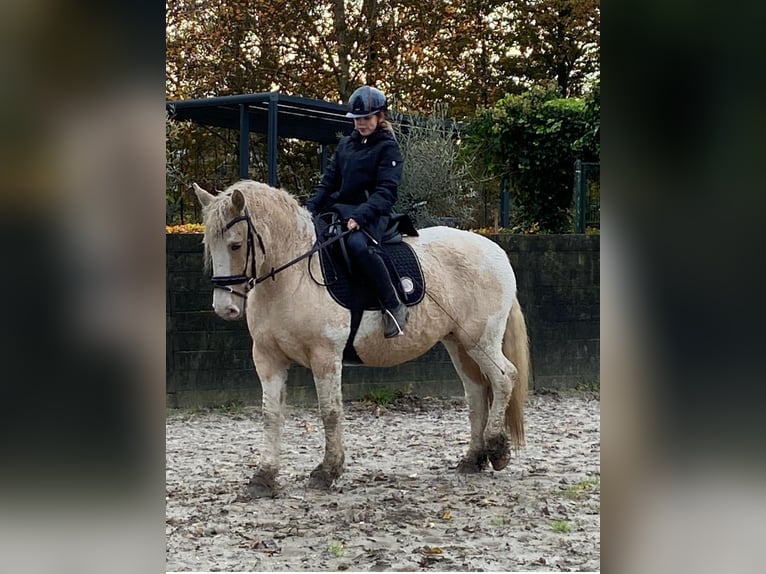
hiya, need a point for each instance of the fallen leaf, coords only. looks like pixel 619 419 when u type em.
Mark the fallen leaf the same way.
pixel 432 550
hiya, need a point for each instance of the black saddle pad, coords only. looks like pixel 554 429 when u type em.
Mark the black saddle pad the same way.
pixel 351 292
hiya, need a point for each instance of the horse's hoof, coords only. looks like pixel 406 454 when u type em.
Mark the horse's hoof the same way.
pixel 498 451
pixel 321 478
pixel 500 463
pixel 472 464
pixel 262 485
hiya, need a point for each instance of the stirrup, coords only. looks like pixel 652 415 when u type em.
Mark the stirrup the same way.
pixel 393 326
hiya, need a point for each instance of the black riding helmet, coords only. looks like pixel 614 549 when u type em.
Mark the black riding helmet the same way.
pixel 366 101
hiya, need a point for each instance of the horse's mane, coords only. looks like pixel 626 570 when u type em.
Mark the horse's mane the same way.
pixel 276 214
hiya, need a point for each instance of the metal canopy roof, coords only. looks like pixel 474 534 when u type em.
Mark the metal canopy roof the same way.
pixel 277 115
pixel 300 118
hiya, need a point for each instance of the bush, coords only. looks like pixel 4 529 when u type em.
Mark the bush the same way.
pixel 534 139
pixel 434 188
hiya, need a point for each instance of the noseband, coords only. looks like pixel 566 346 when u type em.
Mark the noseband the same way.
pixel 225 281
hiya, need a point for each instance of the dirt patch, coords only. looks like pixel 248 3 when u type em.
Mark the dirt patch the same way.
pixel 399 506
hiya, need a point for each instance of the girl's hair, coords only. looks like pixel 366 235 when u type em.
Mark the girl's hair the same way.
pixel 384 124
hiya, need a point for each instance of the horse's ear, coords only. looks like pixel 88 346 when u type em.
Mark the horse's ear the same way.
pixel 203 196
pixel 238 200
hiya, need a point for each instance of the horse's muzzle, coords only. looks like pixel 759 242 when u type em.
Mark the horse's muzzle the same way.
pixel 226 305
pixel 230 312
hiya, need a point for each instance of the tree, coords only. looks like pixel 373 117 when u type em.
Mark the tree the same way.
pixel 556 40
pixel 420 52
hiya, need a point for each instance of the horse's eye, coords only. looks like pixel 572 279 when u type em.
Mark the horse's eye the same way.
pixel 235 246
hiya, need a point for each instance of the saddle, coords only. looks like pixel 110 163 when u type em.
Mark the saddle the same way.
pixel 349 290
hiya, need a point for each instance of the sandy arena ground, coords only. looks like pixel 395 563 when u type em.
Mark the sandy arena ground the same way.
pixel 400 506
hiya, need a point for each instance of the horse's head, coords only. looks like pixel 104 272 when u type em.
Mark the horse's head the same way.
pixel 229 249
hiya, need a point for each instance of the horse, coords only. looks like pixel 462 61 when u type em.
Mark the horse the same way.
pixel 471 307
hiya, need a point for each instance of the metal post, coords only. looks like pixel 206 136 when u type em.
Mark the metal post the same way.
pixel 272 139
pixel 504 203
pixel 181 202
pixel 579 199
pixel 323 159
pixel 244 140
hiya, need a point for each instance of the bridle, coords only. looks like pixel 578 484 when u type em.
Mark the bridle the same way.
pixel 225 281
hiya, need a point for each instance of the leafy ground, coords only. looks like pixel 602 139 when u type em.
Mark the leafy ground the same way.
pixel 400 504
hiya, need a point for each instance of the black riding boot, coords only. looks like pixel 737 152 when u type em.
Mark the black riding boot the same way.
pixel 395 312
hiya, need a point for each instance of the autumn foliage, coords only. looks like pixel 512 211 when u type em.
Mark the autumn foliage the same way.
pixel 463 57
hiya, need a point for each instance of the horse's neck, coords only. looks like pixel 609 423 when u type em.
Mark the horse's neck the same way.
pixel 286 234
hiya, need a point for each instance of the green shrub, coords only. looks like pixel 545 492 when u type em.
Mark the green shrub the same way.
pixel 533 139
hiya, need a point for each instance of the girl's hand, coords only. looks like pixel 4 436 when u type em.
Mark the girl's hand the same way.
pixel 352 224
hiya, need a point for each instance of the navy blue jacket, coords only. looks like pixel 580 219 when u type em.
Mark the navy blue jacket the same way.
pixel 362 181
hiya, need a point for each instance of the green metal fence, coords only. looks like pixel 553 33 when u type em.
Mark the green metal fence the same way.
pixel 587 196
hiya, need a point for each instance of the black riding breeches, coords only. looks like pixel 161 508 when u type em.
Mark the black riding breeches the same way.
pixel 372 268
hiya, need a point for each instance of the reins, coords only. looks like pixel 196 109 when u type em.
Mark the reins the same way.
pixel 314 249
pixel 225 281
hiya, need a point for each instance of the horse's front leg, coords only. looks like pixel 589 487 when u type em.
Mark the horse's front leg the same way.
pixel 273 375
pixel 327 378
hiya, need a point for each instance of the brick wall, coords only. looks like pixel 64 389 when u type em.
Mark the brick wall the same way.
pixel 209 362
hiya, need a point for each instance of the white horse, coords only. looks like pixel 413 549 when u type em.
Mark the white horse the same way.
pixel 470 306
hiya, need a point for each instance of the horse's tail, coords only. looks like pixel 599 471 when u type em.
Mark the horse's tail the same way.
pixel 516 350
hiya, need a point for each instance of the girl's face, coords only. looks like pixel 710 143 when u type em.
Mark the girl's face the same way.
pixel 366 126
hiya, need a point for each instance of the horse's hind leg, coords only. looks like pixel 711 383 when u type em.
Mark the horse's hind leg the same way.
pixel 327 377
pixel 502 375
pixel 477 394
